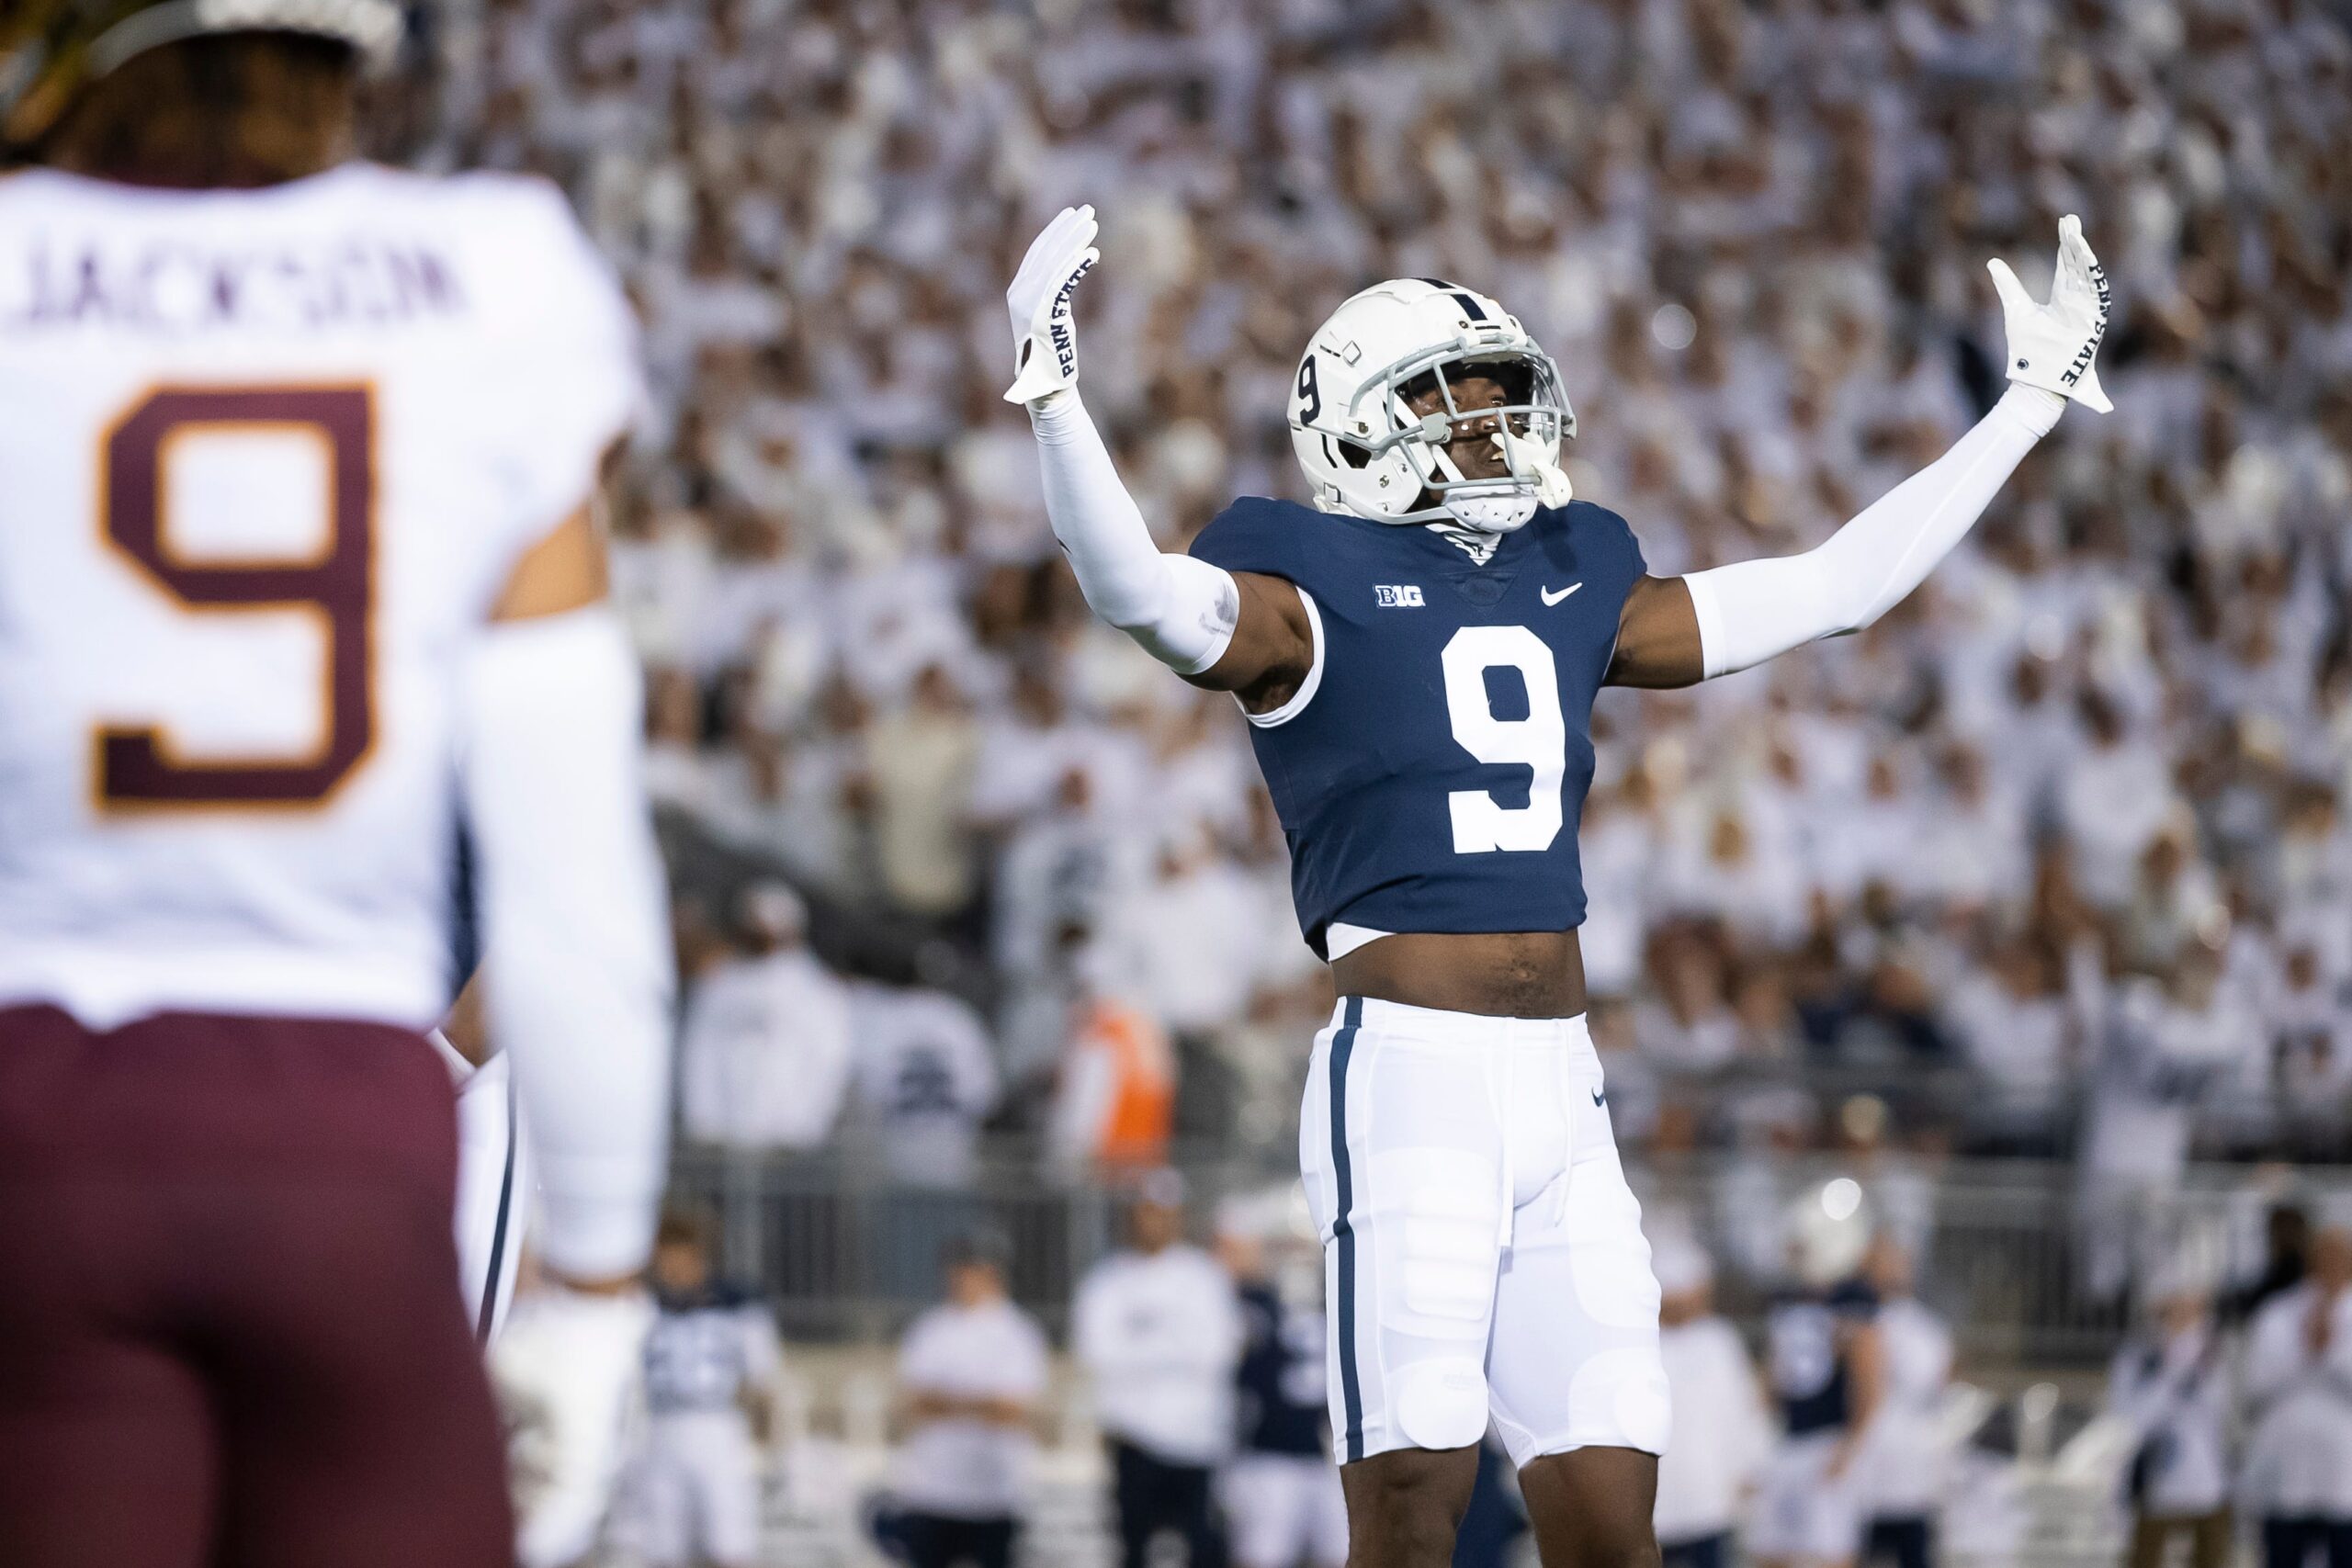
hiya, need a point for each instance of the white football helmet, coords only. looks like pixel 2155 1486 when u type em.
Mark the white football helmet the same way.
pixel 1830 1230
pixel 1367 452
pixel 50 49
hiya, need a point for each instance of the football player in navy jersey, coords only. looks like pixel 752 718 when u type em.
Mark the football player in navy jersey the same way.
pixel 1825 1358
pixel 1417 654
pixel 1281 1499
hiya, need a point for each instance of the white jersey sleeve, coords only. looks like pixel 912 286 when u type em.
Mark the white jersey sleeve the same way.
pixel 569 387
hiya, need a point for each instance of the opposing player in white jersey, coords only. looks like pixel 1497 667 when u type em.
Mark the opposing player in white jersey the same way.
pixel 302 652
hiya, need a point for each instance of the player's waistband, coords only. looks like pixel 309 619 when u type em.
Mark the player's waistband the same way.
pixel 104 986
pixel 1401 1021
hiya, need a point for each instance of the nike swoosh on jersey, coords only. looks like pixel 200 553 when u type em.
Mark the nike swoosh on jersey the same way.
pixel 1551 598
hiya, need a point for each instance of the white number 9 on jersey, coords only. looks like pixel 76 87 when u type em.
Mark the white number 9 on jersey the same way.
pixel 1539 741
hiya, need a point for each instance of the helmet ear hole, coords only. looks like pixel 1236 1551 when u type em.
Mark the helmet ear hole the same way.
pixel 1354 455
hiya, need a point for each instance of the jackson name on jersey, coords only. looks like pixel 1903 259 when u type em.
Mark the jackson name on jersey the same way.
pixel 270 456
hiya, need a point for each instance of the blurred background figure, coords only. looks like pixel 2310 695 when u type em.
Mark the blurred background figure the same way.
pixel 710 1370
pixel 925 1078
pixel 1826 1362
pixel 1281 1488
pixel 971 1373
pixel 1722 1432
pixel 2171 1383
pixel 763 1056
pixel 2297 1371
pixel 1904 1472
pixel 2166 1032
pixel 1115 1097
pixel 1158 1329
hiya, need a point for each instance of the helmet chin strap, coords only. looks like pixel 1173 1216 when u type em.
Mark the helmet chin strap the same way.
pixel 1491 514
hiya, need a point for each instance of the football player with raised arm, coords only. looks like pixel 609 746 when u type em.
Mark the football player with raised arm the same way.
pixel 303 652
pixel 1417 654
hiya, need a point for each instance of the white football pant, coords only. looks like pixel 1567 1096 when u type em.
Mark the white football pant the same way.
pixel 1484 1259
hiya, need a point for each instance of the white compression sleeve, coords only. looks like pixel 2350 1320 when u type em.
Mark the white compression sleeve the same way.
pixel 576 948
pixel 1182 611
pixel 1752 611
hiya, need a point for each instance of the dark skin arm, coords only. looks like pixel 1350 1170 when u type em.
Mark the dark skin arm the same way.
pixel 1273 644
pixel 1658 638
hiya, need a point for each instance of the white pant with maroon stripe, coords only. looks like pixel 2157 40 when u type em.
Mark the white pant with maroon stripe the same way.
pixel 1483 1256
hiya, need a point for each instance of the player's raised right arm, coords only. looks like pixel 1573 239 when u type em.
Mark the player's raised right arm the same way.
pixel 1238 633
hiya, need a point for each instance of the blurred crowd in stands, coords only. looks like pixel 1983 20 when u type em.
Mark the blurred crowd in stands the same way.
pixel 2056 858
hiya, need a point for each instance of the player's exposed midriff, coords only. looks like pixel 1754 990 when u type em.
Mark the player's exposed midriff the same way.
pixel 1494 974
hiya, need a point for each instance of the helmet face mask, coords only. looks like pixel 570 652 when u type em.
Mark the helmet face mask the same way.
pixel 1370 452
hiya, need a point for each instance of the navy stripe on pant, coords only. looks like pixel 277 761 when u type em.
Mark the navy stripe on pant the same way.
pixel 1342 1233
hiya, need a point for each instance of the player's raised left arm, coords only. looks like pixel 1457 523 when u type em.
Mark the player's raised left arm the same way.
pixel 1678 631
pixel 577 961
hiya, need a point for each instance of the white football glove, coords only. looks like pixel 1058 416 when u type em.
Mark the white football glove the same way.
pixel 1045 338
pixel 2052 346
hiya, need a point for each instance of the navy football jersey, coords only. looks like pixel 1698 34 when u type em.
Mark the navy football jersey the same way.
pixel 1283 1407
pixel 705 1348
pixel 1807 1357
pixel 1431 773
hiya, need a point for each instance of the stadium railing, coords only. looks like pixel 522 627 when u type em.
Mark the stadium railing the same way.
pixel 2033 1262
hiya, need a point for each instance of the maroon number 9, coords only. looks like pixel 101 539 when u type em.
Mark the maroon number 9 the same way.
pixel 138 767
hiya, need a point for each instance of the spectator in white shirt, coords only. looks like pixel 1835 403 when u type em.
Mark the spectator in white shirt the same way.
pixel 2014 1027
pixel 926 1078
pixel 1159 1329
pixel 2114 796
pixel 1197 935
pixel 1905 1459
pixel 1722 1432
pixel 2171 1382
pixel 971 1372
pixel 763 1059
pixel 2161 1042
pixel 2298 1376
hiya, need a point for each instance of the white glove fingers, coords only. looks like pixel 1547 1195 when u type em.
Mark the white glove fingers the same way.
pixel 1055 243
pixel 2005 283
pixel 1046 348
pixel 2078 269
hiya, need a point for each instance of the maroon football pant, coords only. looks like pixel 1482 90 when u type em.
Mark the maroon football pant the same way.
pixel 231 1331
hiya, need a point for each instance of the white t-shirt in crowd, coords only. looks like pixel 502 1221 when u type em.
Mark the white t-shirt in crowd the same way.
pixel 926 1076
pixel 1904 1473
pixel 1723 1433
pixel 1161 1335
pixel 958 1467
pixel 2177 1395
pixel 763 1059
pixel 2299 1408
